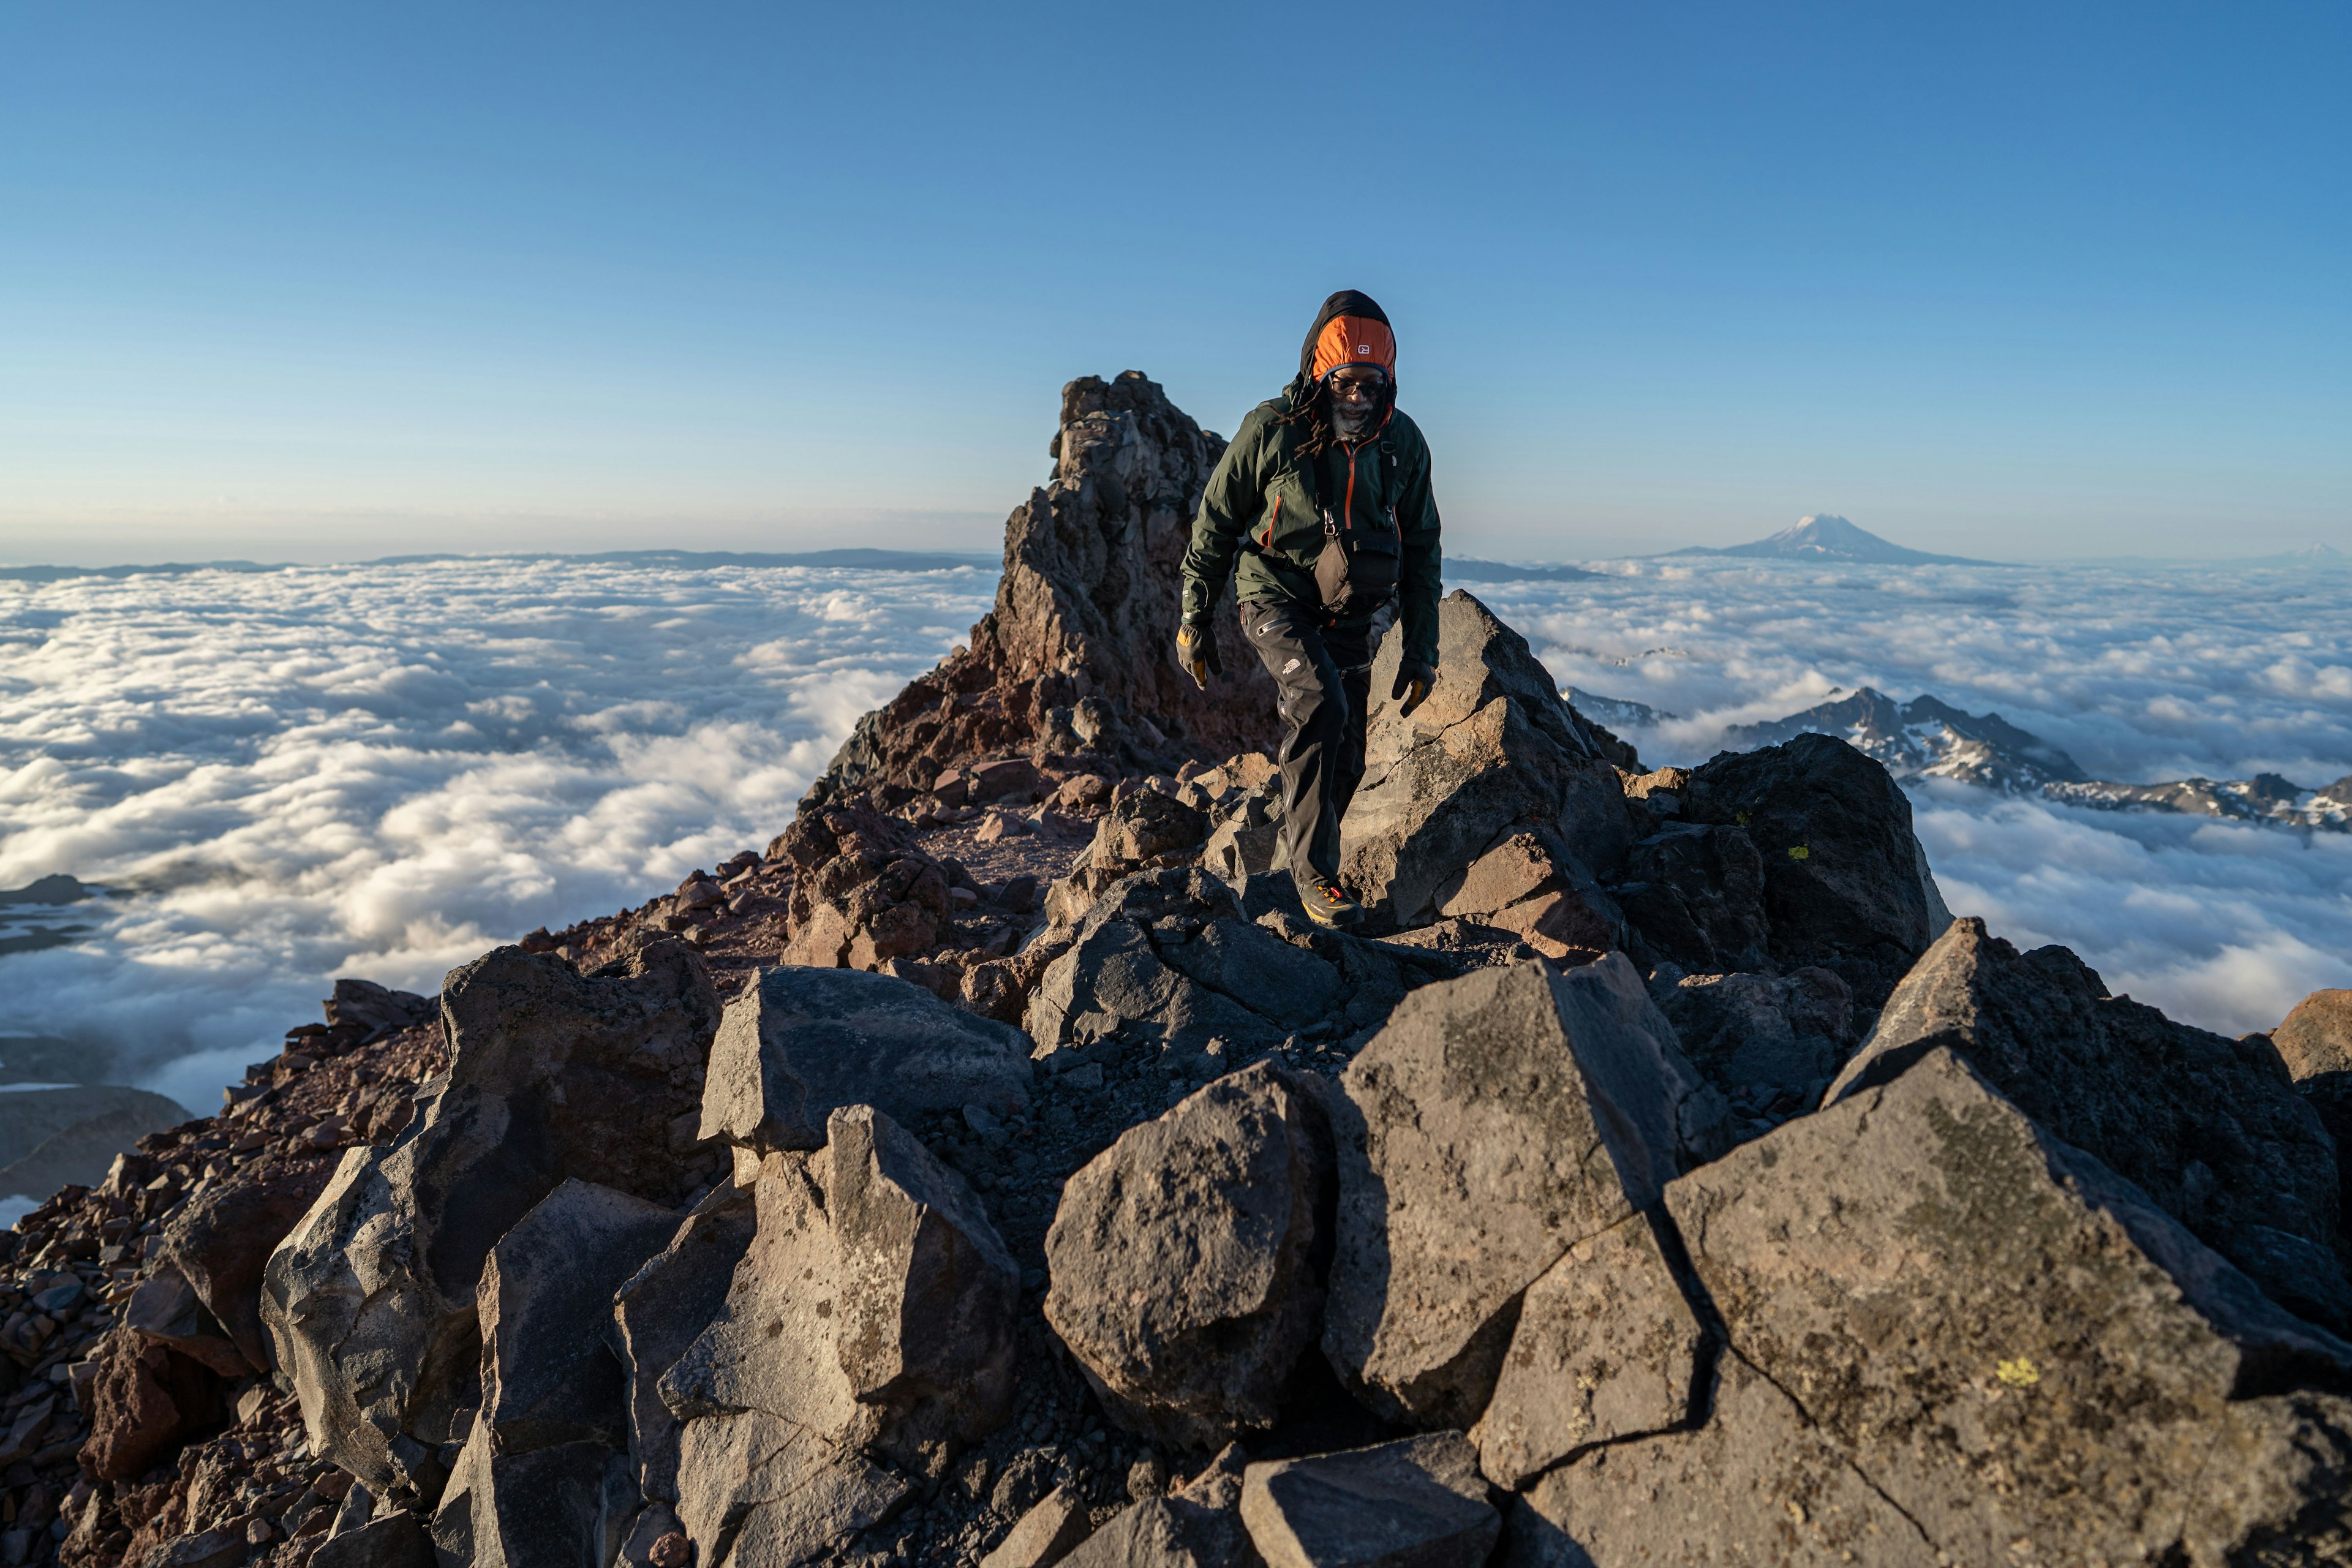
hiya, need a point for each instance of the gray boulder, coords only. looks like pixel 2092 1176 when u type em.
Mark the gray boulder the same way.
pixel 1497 1121
pixel 1842 881
pixel 799 1044
pixel 869 1329
pixel 1417 1503
pixel 2010 1342
pixel 1169 953
pixel 1606 1348
pixel 1759 1037
pixel 657 1313
pixel 1182 1258
pixel 1759 1484
pixel 1492 751
pixel 370 1299
pixel 545 1296
pixel 2209 1127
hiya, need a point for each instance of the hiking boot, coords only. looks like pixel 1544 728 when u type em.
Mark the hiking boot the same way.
pixel 1328 904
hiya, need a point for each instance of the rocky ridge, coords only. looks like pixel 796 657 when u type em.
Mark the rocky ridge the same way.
pixel 1663 1175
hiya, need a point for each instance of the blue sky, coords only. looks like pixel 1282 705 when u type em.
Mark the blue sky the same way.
pixel 324 283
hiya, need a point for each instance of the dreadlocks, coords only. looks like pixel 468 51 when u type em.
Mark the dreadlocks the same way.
pixel 1310 405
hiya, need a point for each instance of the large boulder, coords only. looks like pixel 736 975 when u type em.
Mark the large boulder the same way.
pixel 1074 656
pixel 542 1479
pixel 1498 1119
pixel 1492 751
pixel 2010 1342
pixel 799 1044
pixel 2316 1044
pixel 867 1333
pixel 146 1400
pixel 1170 954
pixel 659 1311
pixel 1607 1348
pixel 1758 1484
pixel 1844 883
pixel 1418 1502
pixel 863 893
pixel 1186 1257
pixel 370 1300
pixel 2209 1127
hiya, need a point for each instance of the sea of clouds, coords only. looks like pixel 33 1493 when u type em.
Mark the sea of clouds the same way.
pixel 382 770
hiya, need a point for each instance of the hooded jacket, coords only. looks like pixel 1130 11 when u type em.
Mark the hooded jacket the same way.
pixel 1261 517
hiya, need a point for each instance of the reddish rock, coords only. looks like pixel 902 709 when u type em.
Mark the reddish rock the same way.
pixel 146 1401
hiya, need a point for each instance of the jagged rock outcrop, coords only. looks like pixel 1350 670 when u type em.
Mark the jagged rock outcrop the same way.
pixel 2209 1127
pixel 800 1044
pixel 1492 751
pixel 1074 658
pixel 2009 1342
pixel 370 1300
pixel 1696 894
pixel 1499 1121
pixel 1186 1259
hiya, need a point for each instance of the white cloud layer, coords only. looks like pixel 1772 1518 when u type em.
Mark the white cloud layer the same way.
pixel 382 771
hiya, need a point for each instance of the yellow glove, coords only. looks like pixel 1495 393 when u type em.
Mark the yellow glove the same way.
pixel 1196 652
pixel 1413 683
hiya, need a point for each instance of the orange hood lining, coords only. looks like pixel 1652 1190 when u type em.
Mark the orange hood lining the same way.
pixel 1355 339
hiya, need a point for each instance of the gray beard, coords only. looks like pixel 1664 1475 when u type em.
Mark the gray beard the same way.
pixel 1351 422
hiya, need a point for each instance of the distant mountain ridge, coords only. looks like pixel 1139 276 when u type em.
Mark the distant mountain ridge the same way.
pixel 1827 537
pixel 1929 738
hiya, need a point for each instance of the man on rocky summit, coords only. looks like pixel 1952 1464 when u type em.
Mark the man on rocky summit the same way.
pixel 1324 497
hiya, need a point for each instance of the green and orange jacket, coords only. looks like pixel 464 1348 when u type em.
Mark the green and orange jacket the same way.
pixel 1264 505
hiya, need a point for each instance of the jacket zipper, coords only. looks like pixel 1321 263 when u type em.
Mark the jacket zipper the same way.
pixel 1265 542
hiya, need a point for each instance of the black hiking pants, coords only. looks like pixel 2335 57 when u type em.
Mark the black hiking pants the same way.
pixel 1325 674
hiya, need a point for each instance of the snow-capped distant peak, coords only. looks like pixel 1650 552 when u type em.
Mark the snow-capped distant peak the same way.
pixel 1825 536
